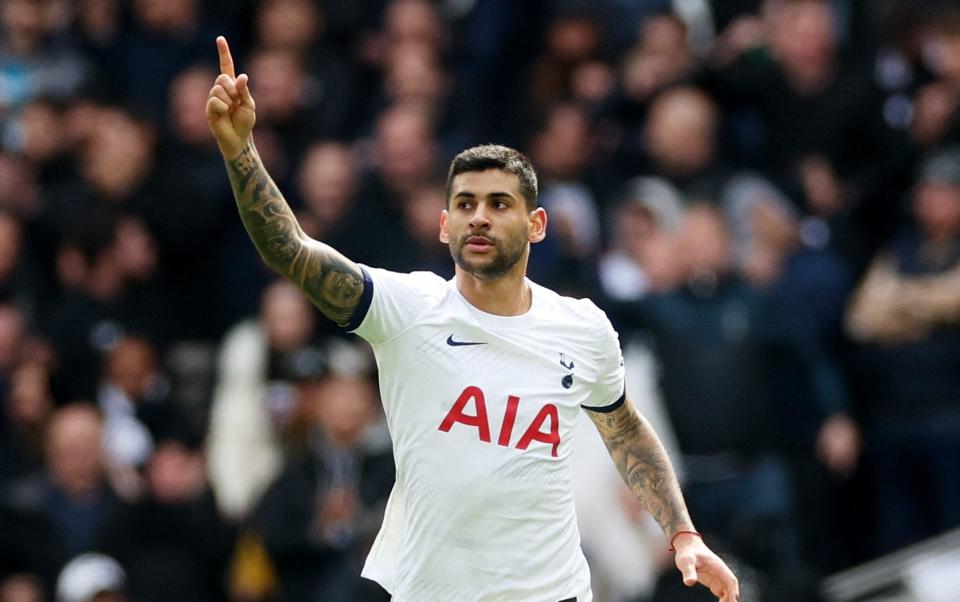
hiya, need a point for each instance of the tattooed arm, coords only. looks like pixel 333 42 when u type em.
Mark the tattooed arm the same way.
pixel 333 282
pixel 643 463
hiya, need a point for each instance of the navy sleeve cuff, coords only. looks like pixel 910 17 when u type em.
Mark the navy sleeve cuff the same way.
pixel 608 408
pixel 360 312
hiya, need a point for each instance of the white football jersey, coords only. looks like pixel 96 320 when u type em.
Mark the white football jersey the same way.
pixel 481 410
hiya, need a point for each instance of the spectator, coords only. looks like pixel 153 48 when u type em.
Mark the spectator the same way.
pixel 562 150
pixel 138 411
pixel 172 542
pixel 254 403
pixel 904 314
pixel 32 64
pixel 63 507
pixel 319 518
pixel 643 223
pixel 26 413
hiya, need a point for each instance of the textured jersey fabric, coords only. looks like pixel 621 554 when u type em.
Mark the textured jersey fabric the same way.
pixel 481 410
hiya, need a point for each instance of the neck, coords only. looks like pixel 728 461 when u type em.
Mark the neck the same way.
pixel 508 295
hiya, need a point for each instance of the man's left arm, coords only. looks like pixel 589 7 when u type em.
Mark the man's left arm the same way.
pixel 645 467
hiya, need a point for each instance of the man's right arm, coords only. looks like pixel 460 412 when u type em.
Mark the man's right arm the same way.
pixel 333 282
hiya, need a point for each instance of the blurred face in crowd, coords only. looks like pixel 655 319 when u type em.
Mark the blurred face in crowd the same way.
pixel 24 23
pixel 187 92
pixel 345 407
pixel 327 180
pixel 405 147
pixel 803 36
pixel 21 587
pixel 175 473
pixel 73 449
pixel 681 130
pixel 562 149
pixel 132 367
pixel 277 80
pixel 42 131
pixel 118 155
pixel 936 207
pixel 420 214
pixel 703 244
pixel 166 16
pixel 573 38
pixel 289 24
pixel 942 49
pixel 136 250
pixel 286 316
pixel 414 76
pixel 29 402
pixel 487 223
pixel 413 21
pixel 661 57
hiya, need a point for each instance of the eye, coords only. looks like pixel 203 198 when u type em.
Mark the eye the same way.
pixel 464 205
pixel 500 204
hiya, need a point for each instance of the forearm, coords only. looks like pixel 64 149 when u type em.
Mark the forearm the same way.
pixel 644 465
pixel 332 282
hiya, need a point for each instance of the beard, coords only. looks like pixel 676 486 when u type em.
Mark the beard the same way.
pixel 506 254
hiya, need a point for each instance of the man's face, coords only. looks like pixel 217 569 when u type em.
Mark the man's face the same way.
pixel 487 224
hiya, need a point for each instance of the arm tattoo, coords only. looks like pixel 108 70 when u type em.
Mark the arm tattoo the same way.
pixel 643 463
pixel 333 282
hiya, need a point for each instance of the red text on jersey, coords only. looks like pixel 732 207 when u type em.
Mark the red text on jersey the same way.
pixel 479 420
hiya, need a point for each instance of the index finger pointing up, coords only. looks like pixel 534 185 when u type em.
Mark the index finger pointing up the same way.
pixel 226 61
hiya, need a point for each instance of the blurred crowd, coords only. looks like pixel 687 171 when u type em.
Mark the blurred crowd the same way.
pixel 763 194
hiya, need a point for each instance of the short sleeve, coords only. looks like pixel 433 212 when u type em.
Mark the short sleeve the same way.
pixel 607 391
pixel 392 302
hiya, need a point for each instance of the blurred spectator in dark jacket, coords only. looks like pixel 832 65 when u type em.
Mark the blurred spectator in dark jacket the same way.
pixel 27 407
pixel 99 270
pixel 404 157
pixel 717 341
pixel 562 150
pixel 62 508
pixel 327 192
pixel 139 410
pixel 172 542
pixel 33 63
pixel 906 315
pixel 319 518
pixel 168 36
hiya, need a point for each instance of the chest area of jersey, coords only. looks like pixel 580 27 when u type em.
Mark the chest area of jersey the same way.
pixel 507 390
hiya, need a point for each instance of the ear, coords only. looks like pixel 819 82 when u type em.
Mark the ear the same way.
pixel 538 225
pixel 444 234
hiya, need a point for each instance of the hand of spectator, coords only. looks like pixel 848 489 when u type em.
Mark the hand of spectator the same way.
pixel 231 111
pixel 699 564
pixel 838 444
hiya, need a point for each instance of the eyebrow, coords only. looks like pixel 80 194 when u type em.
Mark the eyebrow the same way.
pixel 499 193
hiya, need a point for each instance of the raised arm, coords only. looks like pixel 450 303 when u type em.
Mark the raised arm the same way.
pixel 331 281
pixel 643 463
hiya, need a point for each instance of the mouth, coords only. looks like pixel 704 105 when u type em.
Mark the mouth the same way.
pixel 478 244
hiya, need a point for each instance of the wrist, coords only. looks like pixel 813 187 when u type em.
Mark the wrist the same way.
pixel 683 538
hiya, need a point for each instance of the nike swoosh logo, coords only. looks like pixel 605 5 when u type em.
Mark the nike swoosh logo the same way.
pixel 453 343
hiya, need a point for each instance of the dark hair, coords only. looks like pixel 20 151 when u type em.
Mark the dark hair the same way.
pixel 495 156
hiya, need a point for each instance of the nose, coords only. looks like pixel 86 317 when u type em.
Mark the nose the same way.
pixel 479 219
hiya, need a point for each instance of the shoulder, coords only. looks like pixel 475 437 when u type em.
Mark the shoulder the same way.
pixel 426 283
pixel 580 313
